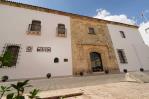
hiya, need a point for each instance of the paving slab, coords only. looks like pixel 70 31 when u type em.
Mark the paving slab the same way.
pixel 139 77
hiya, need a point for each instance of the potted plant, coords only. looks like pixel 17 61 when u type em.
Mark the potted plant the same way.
pixel 106 71
pixel 141 69
pixel 49 75
pixel 81 73
pixel 125 70
pixel 4 78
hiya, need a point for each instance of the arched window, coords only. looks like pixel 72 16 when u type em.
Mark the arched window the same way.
pixel 56 60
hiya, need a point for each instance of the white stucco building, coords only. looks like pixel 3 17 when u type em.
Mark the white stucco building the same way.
pixel 35 39
pixel 38 41
pixel 144 30
pixel 128 43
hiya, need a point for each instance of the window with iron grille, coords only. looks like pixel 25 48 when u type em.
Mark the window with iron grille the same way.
pixel 10 56
pixel 35 26
pixel 61 30
pixel 122 56
pixel 122 34
pixel 91 30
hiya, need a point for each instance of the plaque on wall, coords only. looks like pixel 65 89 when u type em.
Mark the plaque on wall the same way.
pixel 44 49
pixel 29 49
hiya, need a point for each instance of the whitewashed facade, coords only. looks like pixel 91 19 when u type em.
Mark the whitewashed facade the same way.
pixel 144 30
pixel 13 31
pixel 133 46
pixel 45 51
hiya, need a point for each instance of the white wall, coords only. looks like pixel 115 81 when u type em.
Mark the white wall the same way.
pixel 14 23
pixel 136 51
pixel 144 34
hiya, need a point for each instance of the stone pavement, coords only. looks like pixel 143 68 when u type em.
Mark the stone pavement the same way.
pixel 121 90
pixel 139 77
pixel 94 87
pixel 72 82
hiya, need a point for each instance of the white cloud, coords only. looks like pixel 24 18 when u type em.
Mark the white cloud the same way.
pixel 106 15
pixel 146 11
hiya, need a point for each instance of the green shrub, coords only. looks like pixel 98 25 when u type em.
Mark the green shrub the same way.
pixel 19 87
pixel 3 90
pixel 7 59
pixel 33 94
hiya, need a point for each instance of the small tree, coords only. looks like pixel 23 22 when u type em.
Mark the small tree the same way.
pixel 19 87
pixel 33 94
pixel 3 90
pixel 7 59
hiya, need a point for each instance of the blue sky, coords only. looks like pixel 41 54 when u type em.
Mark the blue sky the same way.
pixel 131 8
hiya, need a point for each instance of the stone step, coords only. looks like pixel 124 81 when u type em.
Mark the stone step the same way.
pixel 139 77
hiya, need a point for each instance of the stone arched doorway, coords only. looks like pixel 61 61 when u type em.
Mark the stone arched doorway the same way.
pixel 96 62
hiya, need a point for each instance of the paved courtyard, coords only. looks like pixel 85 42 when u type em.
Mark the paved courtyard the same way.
pixel 73 82
pixel 111 86
pixel 121 90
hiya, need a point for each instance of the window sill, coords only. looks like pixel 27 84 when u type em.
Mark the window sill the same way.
pixel 124 63
pixel 61 35
pixel 34 33
pixel 6 67
pixel 92 33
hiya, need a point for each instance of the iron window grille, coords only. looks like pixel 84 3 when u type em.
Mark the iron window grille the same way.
pixel 122 56
pixel 61 30
pixel 122 34
pixel 35 27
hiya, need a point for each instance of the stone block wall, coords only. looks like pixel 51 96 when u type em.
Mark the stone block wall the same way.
pixel 84 43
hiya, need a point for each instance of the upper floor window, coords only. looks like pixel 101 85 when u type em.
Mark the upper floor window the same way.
pixel 122 34
pixel 35 27
pixel 91 30
pixel 122 56
pixel 10 56
pixel 61 30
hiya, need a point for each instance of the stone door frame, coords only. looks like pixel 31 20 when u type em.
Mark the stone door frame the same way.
pixel 98 49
